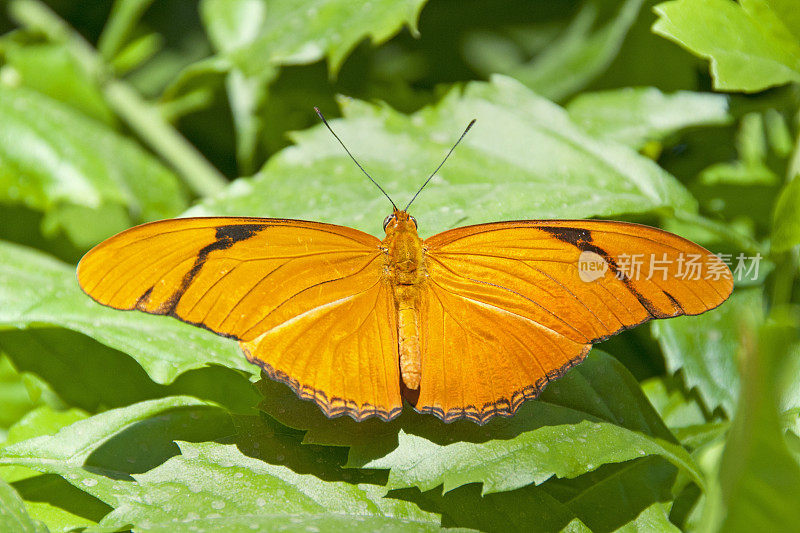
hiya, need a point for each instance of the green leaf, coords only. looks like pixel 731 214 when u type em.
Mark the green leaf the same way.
pixel 751 167
pixel 759 476
pixel 530 508
pixel 786 225
pixel 37 290
pixel 51 70
pixel 654 518
pixel 13 515
pixel 749 45
pixel 523 159
pixel 304 32
pixel 45 165
pixel 107 447
pixel 43 420
pixel 87 443
pixel 567 450
pixel 14 398
pixel 703 348
pixel 59 505
pixel 579 55
pixel 674 407
pixel 213 485
pixel 594 415
pixel 81 370
pixel 210 482
pixel 636 116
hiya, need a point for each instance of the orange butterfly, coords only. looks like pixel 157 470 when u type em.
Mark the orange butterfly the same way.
pixel 468 323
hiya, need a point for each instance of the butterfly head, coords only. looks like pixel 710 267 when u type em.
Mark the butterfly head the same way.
pixel 399 221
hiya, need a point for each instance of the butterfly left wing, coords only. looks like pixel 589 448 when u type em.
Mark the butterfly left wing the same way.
pixel 507 306
pixel 306 300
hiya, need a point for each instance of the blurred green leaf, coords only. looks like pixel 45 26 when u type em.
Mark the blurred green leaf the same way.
pixel 580 53
pixel 120 23
pixel 46 166
pixel 523 159
pixel 51 70
pixel 786 229
pixel 752 45
pixel 636 116
pixel 760 479
pixel 704 348
pixel 37 290
pixel 751 167
pixel 13 515
pixel 255 37
pixel 295 33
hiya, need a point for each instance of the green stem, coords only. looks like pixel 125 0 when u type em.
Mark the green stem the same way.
pixel 793 168
pixel 123 18
pixel 141 116
pixel 745 243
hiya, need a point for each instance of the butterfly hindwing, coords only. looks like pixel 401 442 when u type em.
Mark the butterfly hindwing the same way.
pixel 508 306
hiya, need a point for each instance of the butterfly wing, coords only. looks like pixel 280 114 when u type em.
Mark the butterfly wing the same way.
pixel 306 300
pixel 510 306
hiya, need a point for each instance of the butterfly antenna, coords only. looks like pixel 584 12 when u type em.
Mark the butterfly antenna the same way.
pixel 319 113
pixel 471 122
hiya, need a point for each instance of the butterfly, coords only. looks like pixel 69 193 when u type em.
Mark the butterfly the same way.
pixel 468 323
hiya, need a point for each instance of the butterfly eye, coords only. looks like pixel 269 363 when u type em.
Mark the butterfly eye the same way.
pixel 414 220
pixel 387 220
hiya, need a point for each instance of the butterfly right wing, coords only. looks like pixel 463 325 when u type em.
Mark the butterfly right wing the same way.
pixel 507 307
pixel 307 301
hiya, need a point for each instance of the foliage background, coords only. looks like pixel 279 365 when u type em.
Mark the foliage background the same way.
pixel 682 114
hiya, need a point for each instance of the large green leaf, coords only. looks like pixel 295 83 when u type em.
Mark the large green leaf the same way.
pixel 212 486
pixel 93 182
pixel 524 158
pixel 595 415
pixel 566 450
pixel 704 349
pixel 634 116
pixel 209 484
pixel 37 290
pixel 13 516
pixel 752 45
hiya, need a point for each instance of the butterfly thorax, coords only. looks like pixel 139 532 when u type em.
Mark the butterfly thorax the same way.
pixel 405 270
